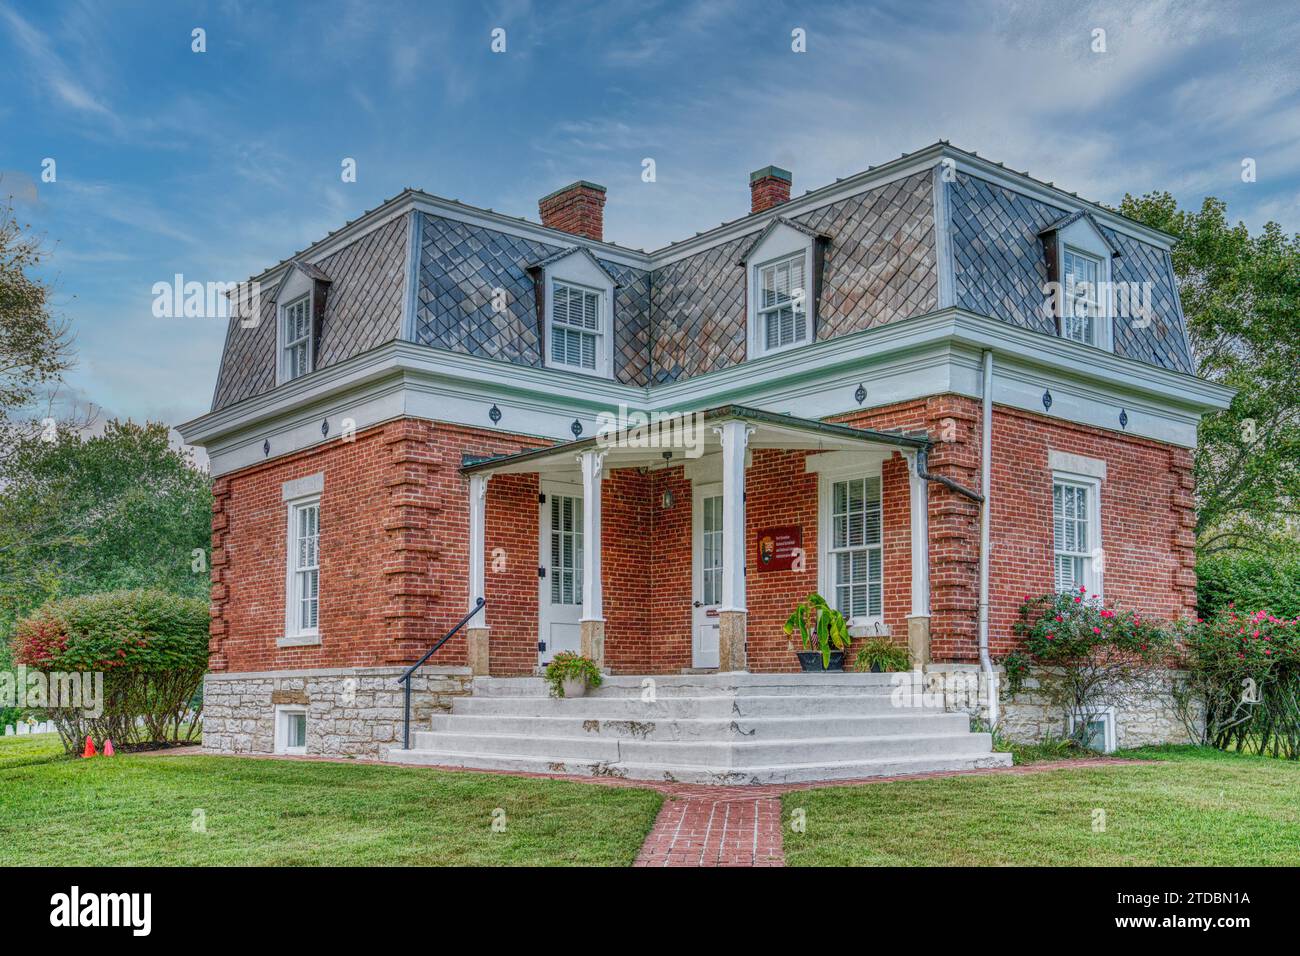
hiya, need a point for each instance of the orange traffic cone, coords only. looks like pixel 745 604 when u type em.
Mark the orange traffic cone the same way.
pixel 108 747
pixel 90 748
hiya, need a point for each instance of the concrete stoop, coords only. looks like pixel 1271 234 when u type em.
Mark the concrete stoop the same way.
pixel 731 728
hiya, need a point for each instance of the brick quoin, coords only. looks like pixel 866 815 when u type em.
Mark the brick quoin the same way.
pixel 395 533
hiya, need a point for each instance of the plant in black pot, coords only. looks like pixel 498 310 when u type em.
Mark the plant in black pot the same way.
pixel 823 631
pixel 881 654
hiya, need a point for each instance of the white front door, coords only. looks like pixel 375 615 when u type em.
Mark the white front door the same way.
pixel 559 599
pixel 707 566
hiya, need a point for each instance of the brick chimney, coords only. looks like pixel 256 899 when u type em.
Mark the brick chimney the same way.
pixel 768 187
pixel 578 208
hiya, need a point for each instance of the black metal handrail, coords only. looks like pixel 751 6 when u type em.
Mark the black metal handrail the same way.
pixel 406 677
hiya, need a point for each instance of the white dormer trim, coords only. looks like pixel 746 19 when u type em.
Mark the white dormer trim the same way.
pixel 296 285
pixel 579 269
pixel 781 241
pixel 1083 237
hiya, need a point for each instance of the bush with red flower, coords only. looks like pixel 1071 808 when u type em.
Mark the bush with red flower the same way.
pixel 1243 687
pixel 1090 656
pixel 151 647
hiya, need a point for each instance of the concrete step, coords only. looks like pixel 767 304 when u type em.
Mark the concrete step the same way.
pixel 706 685
pixel 732 776
pixel 705 728
pixel 675 753
pixel 715 706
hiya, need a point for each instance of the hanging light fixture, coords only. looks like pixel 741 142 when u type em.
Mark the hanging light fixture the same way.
pixel 667 500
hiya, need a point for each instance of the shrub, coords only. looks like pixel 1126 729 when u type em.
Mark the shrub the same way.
pixel 1243 684
pixel 1093 656
pixel 1248 581
pixel 151 648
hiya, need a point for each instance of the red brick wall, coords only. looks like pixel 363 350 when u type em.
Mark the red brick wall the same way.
pixel 393 549
pixel 394 543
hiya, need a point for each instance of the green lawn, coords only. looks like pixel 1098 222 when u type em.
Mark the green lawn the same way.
pixel 143 810
pixel 29 749
pixel 1192 808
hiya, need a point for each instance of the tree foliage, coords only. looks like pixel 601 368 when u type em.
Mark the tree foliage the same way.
pixel 1241 298
pixel 34 347
pixel 81 514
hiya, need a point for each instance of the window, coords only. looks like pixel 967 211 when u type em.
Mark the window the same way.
pixel 295 335
pixel 290 730
pixel 1081 310
pixel 711 550
pixel 566 549
pixel 1100 735
pixel 855 557
pixel 303 597
pixel 1076 533
pixel 782 303
pixel 575 326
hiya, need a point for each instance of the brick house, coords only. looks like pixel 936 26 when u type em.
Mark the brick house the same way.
pixel 925 391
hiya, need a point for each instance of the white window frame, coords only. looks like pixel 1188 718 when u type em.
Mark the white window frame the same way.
pixel 1096 301
pixel 799 305
pixel 1081 238
pixel 283 344
pixel 293 634
pixel 1107 717
pixel 1094 561
pixel 781 244
pixel 827 479
pixel 580 270
pixel 282 714
pixel 600 333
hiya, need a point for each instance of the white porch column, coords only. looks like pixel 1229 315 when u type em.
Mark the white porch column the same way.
pixel 732 616
pixel 592 622
pixel 918 621
pixel 477 630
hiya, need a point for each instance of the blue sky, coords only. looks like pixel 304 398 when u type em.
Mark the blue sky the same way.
pixel 218 164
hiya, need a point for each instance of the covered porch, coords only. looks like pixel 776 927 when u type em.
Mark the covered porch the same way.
pixel 681 543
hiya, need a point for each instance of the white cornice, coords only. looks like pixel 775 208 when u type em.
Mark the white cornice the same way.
pixel 932 354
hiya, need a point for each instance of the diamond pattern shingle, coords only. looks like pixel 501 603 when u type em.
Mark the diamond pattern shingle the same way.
pixel 1000 268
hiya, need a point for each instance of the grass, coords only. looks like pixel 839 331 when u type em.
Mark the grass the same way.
pixel 1192 807
pixel 146 810
pixel 29 749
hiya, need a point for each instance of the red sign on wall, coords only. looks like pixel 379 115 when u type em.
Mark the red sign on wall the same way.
pixel 778 547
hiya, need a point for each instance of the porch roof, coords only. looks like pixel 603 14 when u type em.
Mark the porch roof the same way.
pixel 771 430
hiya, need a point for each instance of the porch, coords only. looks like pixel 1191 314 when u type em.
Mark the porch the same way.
pixel 682 543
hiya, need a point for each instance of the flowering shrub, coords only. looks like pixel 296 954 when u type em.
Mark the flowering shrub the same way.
pixel 150 646
pixel 1244 680
pixel 1092 656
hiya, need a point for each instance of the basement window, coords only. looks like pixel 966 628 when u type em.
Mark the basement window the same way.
pixel 290 729
pixel 1100 736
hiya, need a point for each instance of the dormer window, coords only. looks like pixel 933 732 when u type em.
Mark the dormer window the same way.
pixel 575 312
pixel 1079 257
pixel 783 303
pixel 782 266
pixel 296 336
pixel 301 296
pixel 576 326
pixel 1082 305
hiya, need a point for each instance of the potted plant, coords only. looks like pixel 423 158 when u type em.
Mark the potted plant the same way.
pixel 823 632
pixel 881 654
pixel 570 674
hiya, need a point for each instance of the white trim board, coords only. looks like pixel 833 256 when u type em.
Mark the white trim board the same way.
pixel 911 359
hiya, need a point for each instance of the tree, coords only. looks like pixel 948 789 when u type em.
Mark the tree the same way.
pixel 81 514
pixel 1241 298
pixel 34 348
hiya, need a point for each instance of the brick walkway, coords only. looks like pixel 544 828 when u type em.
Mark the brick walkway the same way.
pixel 717 826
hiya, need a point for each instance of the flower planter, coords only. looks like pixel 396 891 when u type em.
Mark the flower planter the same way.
pixel 574 687
pixel 812 661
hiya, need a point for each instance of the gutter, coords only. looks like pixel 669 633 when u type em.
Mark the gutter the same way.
pixel 986 451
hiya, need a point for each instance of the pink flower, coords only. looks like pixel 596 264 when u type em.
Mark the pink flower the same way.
pixel 1096 630
pixel 1059 619
pixel 1267 651
pixel 1078 600
pixel 1051 637
pixel 1082 589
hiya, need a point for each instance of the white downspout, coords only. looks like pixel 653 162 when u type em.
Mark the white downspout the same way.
pixel 986 452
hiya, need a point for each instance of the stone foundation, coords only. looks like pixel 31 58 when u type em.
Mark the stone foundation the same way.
pixel 1146 718
pixel 351 712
